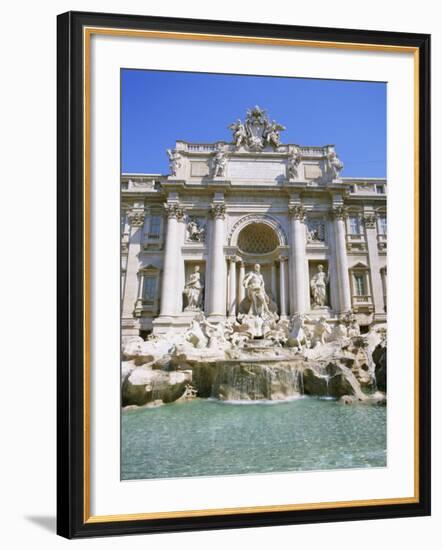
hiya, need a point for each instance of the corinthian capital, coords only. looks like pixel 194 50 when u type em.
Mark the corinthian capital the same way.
pixel 297 211
pixel 218 210
pixel 339 213
pixel 370 220
pixel 174 210
pixel 136 218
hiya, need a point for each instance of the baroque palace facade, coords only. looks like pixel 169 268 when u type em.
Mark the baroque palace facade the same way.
pixel 189 239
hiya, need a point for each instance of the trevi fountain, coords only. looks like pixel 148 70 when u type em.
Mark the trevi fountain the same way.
pixel 326 385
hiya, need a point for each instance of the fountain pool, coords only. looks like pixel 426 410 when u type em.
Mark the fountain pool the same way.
pixel 207 437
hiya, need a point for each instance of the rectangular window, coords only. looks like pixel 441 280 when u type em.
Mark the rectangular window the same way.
pixel 150 287
pixel 380 189
pixel 383 225
pixel 354 225
pixel 155 226
pixel 359 284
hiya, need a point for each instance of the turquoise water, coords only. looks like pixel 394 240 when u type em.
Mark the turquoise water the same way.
pixel 204 438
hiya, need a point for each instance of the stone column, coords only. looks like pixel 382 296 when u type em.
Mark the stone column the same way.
pixel 282 287
pixel 241 289
pixel 172 259
pixel 298 275
pixel 217 298
pixel 377 286
pixel 232 286
pixel 136 220
pixel 339 215
pixel 273 282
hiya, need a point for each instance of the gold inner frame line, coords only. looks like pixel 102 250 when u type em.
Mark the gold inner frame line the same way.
pixel 87 34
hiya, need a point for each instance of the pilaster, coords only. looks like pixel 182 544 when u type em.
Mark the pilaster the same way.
pixel 298 264
pixel 217 279
pixel 135 218
pixel 172 260
pixel 339 215
pixel 377 283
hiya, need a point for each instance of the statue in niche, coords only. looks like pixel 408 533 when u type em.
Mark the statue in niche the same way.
pixel 318 286
pixel 220 164
pixel 194 291
pixel 196 231
pixel 259 300
pixel 174 161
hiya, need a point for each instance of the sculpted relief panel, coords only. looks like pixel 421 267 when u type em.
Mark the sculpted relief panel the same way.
pixel 315 232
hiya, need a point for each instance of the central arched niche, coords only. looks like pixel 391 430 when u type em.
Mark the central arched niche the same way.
pixel 257 238
pixel 260 234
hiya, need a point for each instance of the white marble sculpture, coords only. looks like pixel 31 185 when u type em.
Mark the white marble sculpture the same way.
pixel 353 329
pixel 195 334
pixel 315 230
pixel 336 165
pixel 293 163
pixel 239 133
pixel 193 291
pixel 299 333
pixel 220 164
pixel 174 161
pixel 271 134
pixel 256 293
pixel 196 231
pixel 321 330
pixel 257 131
pixel 318 286
pixel 216 335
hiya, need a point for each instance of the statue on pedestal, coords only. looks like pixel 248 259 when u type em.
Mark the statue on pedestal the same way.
pixel 336 165
pixel 194 291
pixel 293 163
pixel 219 164
pixel 318 286
pixel 174 161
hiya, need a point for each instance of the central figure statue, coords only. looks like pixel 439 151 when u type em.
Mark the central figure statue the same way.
pixel 259 300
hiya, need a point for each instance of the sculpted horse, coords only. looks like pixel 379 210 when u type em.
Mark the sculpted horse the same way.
pixel 299 332
pixel 196 336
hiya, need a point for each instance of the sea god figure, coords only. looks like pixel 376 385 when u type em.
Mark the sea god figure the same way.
pixel 254 283
pixel 193 291
pixel 318 285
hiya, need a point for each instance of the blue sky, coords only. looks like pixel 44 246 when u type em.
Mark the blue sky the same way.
pixel 160 107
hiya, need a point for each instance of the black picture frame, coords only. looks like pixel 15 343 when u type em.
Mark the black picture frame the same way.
pixel 72 520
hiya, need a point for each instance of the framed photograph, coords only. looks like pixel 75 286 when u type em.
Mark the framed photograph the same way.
pixel 227 286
